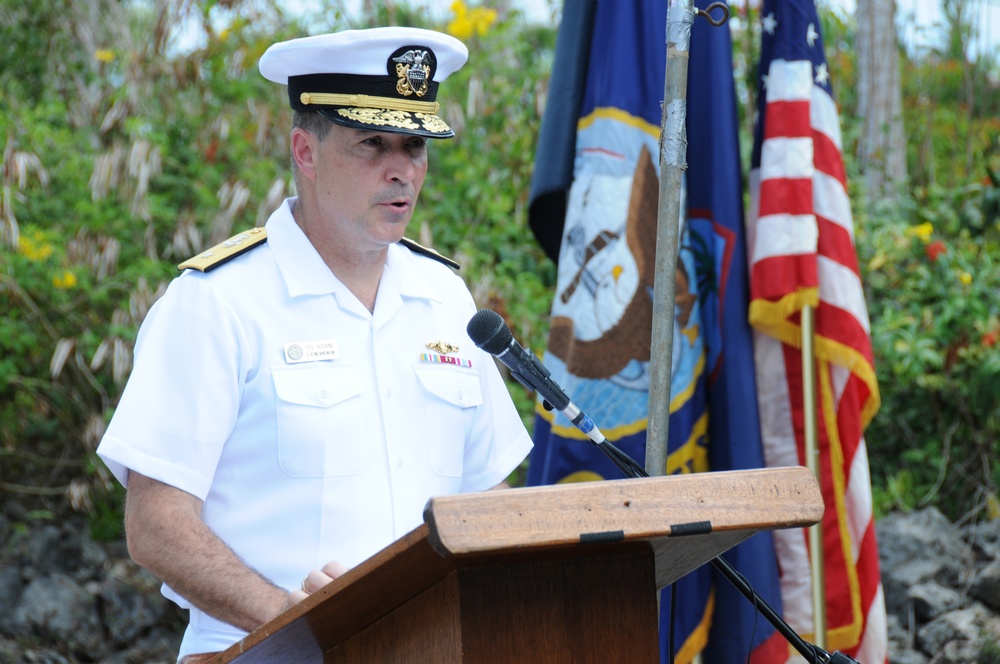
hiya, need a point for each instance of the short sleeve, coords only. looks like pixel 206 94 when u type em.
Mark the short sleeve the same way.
pixel 499 442
pixel 183 396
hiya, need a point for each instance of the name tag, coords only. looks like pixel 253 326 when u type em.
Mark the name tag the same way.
pixel 311 351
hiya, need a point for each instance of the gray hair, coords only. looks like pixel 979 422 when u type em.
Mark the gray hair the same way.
pixel 314 123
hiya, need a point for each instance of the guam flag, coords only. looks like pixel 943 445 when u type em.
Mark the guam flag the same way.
pixel 594 209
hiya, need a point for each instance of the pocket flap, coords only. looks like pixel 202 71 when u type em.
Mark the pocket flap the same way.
pixel 456 387
pixel 318 386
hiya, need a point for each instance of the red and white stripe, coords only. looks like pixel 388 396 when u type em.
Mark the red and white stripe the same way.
pixel 801 251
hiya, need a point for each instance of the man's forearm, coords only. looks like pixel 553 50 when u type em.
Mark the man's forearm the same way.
pixel 167 536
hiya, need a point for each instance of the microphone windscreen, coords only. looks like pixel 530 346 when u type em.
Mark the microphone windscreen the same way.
pixel 488 331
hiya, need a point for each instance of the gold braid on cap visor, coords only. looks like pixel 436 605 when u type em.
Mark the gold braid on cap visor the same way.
pixel 368 101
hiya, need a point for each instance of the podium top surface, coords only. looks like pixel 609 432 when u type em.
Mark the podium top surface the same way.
pixel 623 510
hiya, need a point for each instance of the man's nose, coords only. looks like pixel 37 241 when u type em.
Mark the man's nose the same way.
pixel 402 165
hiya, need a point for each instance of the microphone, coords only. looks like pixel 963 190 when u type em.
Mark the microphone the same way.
pixel 490 333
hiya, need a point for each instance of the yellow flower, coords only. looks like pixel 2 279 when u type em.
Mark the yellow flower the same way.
pixel 922 231
pixel 877 261
pixel 468 22
pixel 482 19
pixel 460 28
pixel 104 55
pixel 965 278
pixel 993 506
pixel 34 248
pixel 64 281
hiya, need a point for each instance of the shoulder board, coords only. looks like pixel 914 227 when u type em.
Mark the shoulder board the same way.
pixel 430 253
pixel 226 251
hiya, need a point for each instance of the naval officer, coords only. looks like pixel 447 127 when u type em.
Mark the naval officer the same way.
pixel 302 389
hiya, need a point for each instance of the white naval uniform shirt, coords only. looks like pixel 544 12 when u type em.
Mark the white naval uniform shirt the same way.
pixel 301 463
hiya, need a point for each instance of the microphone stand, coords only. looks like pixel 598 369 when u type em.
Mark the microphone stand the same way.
pixel 490 333
pixel 813 654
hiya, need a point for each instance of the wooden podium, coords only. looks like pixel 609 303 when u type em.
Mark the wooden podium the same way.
pixel 544 574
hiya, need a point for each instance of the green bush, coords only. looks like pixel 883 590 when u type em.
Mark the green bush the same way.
pixel 929 264
pixel 125 151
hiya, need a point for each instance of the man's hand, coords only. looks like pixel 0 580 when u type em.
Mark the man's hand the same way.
pixel 315 580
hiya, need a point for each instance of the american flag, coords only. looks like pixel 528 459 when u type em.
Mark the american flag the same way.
pixel 801 253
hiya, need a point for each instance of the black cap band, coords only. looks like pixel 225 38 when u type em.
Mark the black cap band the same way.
pixel 376 86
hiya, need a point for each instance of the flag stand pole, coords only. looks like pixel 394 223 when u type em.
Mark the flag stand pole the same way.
pixel 813 462
pixel 673 161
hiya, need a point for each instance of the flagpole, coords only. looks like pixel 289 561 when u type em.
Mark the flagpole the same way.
pixel 673 161
pixel 813 463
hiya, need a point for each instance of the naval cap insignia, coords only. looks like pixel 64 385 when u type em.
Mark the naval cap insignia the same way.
pixel 413 69
pixel 442 347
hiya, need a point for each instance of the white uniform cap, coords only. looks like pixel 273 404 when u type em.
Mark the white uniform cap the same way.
pixel 381 78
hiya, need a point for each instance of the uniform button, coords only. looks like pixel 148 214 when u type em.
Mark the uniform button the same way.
pixel 461 397
pixel 388 393
pixel 324 394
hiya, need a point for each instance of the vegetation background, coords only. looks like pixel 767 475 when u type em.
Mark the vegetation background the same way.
pixel 126 149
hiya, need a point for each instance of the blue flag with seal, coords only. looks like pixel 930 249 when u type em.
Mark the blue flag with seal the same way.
pixel 594 210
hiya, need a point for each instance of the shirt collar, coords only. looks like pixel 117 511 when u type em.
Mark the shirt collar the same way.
pixel 403 268
pixel 305 272
pixel 301 266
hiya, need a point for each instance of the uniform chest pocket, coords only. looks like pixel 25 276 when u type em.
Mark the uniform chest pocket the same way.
pixel 449 414
pixel 320 428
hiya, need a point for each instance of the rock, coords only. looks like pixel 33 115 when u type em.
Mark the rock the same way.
pixel 129 612
pixel 65 599
pixel 11 586
pixel 960 652
pixel 55 608
pixel 896 581
pixel 47 549
pixel 44 656
pixel 931 600
pixel 923 535
pixel 908 657
pixel 956 625
pixel 10 651
pixel 984 538
pixel 986 586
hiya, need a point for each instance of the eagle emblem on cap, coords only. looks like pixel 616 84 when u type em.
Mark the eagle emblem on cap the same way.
pixel 414 71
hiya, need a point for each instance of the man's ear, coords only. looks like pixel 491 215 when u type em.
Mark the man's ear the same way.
pixel 304 152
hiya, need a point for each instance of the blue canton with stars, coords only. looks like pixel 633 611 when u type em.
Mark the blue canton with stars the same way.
pixel 790 30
